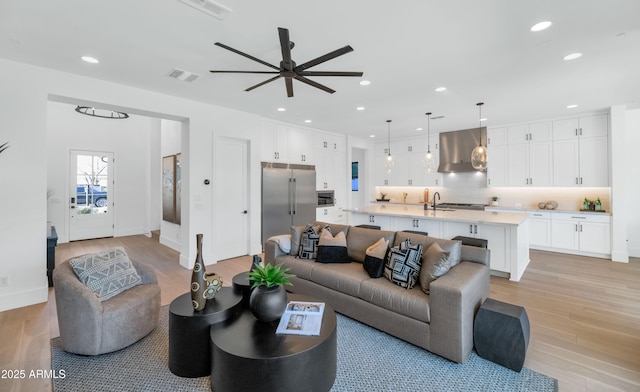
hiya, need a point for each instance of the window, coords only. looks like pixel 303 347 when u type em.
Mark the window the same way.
pixel 354 176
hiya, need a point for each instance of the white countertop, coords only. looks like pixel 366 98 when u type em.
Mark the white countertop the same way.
pixel 530 210
pixel 418 212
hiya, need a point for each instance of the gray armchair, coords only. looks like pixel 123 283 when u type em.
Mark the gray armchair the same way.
pixel 91 327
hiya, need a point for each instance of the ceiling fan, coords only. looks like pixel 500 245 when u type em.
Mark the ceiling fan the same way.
pixel 288 68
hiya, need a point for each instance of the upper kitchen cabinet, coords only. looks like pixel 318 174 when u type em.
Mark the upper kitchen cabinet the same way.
pixel 331 164
pixel 497 147
pixel 275 143
pixel 382 176
pixel 408 162
pixel 580 152
pixel 530 154
pixel 301 147
pixel 332 142
pixel 285 144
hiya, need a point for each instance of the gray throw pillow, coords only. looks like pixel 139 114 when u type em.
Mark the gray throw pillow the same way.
pixel 435 264
pixel 106 273
pixel 296 237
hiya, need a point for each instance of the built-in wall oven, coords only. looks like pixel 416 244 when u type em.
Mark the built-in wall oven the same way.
pixel 326 198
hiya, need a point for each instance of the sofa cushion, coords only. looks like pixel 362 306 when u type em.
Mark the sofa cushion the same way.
pixel 335 228
pixel 332 249
pixel 402 265
pixel 359 239
pixel 107 273
pixel 345 278
pixel 296 237
pixel 374 258
pixel 309 242
pixel 451 246
pixel 412 303
pixel 435 263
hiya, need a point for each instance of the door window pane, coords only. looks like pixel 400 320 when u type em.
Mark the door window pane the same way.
pixel 91 184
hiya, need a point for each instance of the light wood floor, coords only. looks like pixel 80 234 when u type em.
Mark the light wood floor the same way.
pixel 584 314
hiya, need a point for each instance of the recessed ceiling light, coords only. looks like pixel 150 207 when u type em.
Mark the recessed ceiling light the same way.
pixel 90 59
pixel 572 56
pixel 441 89
pixel 540 26
pixel 372 135
pixel 418 129
pixel 281 109
pixel 483 119
pixel 307 121
pixel 572 106
pixel 365 82
pixel 360 108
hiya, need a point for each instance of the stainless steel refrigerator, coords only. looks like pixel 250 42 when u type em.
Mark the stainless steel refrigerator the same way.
pixel 288 197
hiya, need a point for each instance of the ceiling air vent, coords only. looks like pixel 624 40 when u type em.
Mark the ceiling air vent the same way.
pixel 183 75
pixel 209 7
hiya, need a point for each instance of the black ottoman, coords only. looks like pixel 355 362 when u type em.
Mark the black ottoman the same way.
pixel 501 333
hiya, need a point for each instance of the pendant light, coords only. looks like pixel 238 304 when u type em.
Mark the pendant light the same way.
pixel 388 163
pixel 429 162
pixel 479 153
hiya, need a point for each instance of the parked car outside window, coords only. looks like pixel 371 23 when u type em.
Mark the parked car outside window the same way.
pixel 95 194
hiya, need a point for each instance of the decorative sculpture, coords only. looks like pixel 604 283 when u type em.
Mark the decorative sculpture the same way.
pixel 203 286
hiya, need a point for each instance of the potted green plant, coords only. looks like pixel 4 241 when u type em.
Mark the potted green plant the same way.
pixel 269 298
pixel 494 201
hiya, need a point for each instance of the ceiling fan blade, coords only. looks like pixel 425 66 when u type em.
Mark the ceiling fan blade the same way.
pixel 289 83
pixel 247 72
pixel 263 83
pixel 285 46
pixel 246 55
pixel 315 84
pixel 322 59
pixel 329 73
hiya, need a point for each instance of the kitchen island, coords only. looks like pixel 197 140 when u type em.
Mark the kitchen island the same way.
pixel 507 233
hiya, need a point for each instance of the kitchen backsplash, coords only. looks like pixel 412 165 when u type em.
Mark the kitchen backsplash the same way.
pixel 508 197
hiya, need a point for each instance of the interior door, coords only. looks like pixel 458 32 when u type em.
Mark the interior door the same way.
pixel 231 190
pixel 90 195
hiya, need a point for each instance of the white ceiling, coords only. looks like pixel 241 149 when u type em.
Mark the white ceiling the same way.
pixel 481 50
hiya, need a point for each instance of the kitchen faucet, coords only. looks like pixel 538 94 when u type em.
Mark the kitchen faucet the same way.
pixel 433 205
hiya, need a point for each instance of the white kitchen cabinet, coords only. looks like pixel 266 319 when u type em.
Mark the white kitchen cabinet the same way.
pixel 385 222
pixel 275 143
pixel 382 176
pixel 408 170
pixel 331 169
pixel 580 152
pixel 328 141
pixel 301 147
pixel 497 153
pixel 540 229
pixel 529 157
pixel 497 137
pixel 332 214
pixel 591 126
pixel 431 227
pixel 581 232
pixel 581 162
pixel 496 236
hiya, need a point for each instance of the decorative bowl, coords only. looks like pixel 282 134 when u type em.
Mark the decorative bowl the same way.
pixel 542 205
pixel 551 205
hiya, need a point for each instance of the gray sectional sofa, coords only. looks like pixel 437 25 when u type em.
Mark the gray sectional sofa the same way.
pixel 441 322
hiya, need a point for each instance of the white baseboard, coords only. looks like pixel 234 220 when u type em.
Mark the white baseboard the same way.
pixel 621 257
pixel 19 299
pixel 170 243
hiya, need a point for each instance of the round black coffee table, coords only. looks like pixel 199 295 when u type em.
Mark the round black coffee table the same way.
pixel 248 355
pixel 189 347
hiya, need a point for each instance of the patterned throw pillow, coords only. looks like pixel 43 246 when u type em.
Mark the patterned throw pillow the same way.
pixel 436 263
pixel 332 249
pixel 402 265
pixel 309 242
pixel 106 273
pixel 374 258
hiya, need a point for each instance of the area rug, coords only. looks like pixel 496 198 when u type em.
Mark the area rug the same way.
pixel 368 360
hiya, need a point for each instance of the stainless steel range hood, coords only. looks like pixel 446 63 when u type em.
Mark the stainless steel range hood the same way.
pixel 456 148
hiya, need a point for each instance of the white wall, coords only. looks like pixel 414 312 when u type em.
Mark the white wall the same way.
pixel 26 91
pixel 632 176
pixel 127 139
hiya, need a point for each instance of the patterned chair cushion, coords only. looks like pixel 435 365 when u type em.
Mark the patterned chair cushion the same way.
pixel 402 265
pixel 106 273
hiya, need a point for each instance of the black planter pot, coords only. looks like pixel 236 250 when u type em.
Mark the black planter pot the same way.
pixel 268 303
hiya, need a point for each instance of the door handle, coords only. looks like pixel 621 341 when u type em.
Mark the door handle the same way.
pixel 245 211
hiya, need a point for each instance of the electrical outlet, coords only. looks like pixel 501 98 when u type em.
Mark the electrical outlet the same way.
pixel 4 281
pixel 518 205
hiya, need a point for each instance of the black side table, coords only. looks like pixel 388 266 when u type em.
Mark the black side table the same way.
pixel 501 333
pixel 242 285
pixel 189 346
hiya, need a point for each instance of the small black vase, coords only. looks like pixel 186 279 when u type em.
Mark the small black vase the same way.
pixel 268 303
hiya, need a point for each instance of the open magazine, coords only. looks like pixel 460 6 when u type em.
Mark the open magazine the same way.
pixel 301 318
